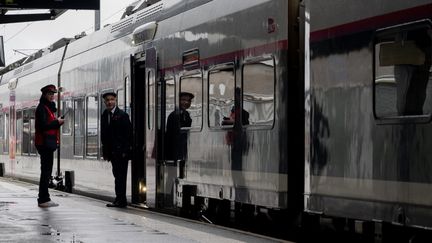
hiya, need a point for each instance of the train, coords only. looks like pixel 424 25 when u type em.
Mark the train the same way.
pixel 338 97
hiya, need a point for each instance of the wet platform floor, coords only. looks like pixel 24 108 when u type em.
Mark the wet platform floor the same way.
pixel 82 219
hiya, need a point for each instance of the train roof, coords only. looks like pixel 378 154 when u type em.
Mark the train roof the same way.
pixel 139 15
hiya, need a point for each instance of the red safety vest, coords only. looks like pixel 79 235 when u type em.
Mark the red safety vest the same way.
pixel 42 136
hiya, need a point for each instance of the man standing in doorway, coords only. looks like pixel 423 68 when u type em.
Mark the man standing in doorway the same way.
pixel 116 137
pixel 46 140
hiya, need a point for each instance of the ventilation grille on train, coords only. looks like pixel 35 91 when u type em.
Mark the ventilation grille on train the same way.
pixel 27 67
pixel 124 24
pixel 149 12
pixel 17 71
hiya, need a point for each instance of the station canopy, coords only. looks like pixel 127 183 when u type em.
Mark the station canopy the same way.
pixel 14 11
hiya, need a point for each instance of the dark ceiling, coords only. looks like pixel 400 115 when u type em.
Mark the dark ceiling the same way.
pixel 13 11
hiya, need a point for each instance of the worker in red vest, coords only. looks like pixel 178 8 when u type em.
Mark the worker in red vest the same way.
pixel 46 140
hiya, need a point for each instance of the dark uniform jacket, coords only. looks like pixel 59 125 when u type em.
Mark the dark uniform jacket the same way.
pixel 175 138
pixel 46 125
pixel 116 136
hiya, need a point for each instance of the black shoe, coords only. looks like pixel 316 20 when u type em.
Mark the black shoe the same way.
pixel 116 205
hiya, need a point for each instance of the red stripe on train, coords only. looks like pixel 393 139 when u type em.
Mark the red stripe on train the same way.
pixel 406 15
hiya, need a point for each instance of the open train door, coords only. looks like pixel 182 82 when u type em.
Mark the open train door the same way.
pixel 150 125
pixel 144 104
pixel 158 173
pixel 138 173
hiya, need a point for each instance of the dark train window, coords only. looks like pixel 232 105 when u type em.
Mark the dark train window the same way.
pixel 2 134
pixel 7 128
pixel 26 132
pixel 19 131
pixel 67 111
pixel 259 92
pixel 92 115
pixel 221 95
pixel 402 72
pixel 32 131
pixel 193 84
pixel 79 127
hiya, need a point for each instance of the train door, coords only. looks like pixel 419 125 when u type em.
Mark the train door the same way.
pixel 160 174
pixel 12 116
pixel 167 167
pixel 151 148
pixel 137 104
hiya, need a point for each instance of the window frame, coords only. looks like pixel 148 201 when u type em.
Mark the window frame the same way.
pixel 19 132
pixel 3 131
pixel 32 146
pixel 25 144
pixel 255 60
pixel 123 100
pixel 182 76
pixel 69 117
pixel 82 99
pixel 379 35
pixel 7 130
pixel 214 68
pixel 86 115
pixel 127 94
pixel 170 76
pixel 151 89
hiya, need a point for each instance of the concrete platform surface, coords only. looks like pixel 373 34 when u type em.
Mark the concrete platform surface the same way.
pixel 82 219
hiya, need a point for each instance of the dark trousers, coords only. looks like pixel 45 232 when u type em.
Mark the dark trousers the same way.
pixel 119 169
pixel 47 159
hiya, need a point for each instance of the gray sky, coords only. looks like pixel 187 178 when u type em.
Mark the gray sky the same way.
pixel 41 34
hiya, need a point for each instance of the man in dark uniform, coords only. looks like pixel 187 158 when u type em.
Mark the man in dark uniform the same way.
pixel 46 140
pixel 116 137
pixel 175 137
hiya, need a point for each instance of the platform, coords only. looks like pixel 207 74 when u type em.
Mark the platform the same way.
pixel 82 219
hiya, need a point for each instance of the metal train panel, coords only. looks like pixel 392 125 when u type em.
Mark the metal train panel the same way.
pixel 210 164
pixel 362 166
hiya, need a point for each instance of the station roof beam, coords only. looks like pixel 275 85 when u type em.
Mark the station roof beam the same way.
pixel 13 11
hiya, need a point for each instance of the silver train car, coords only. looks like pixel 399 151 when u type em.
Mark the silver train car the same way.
pixel 369 96
pixel 331 123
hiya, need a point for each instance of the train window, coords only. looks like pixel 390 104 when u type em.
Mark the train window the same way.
pixel 169 96
pixel 6 144
pixel 26 132
pixel 2 134
pixel 92 115
pixel 402 72
pixel 32 112
pixel 79 127
pixel 221 95
pixel 19 131
pixel 193 84
pixel 258 92
pixel 151 89
pixel 121 99
pixel 128 95
pixel 67 111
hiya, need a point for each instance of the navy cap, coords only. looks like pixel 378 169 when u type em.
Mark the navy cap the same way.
pixel 49 88
pixel 109 93
pixel 187 94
